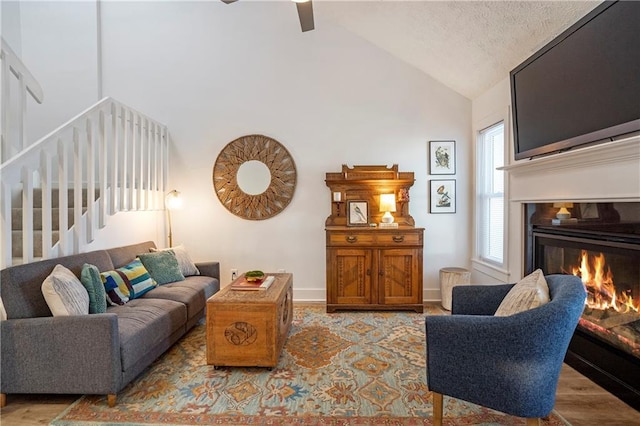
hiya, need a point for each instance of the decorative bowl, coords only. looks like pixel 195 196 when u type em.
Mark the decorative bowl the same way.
pixel 253 276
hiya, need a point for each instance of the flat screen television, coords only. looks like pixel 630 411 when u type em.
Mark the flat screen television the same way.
pixel 581 88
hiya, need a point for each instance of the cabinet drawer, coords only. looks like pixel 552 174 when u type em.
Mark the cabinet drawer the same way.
pixel 400 238
pixel 350 239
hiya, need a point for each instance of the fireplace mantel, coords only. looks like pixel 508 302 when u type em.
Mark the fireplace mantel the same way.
pixel 610 153
pixel 608 172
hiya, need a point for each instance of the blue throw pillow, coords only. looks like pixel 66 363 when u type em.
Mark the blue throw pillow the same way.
pixel 90 279
pixel 126 283
pixel 162 266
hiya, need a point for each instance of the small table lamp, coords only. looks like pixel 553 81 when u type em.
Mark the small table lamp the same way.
pixel 563 213
pixel 172 201
pixel 387 205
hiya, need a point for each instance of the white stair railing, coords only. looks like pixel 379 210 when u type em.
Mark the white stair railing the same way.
pixel 17 78
pixel 111 154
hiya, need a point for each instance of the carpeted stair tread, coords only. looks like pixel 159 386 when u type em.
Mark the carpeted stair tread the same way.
pixel 16 242
pixel 16 218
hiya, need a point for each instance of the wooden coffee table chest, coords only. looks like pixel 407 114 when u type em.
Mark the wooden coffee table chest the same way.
pixel 249 328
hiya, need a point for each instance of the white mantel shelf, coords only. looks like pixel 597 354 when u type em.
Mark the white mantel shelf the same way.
pixel 626 150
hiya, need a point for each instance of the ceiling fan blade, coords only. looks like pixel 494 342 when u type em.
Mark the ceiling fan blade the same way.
pixel 228 1
pixel 305 13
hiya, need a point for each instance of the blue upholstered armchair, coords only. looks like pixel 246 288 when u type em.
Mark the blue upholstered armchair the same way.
pixel 510 363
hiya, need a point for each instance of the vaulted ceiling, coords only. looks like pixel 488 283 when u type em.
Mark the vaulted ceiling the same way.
pixel 467 45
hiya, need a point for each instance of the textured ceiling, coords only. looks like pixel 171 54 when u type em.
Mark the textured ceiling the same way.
pixel 467 45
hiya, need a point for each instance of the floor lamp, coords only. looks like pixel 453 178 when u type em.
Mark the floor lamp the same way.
pixel 172 201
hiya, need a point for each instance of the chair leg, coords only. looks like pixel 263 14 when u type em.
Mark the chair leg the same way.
pixel 3 399
pixel 533 421
pixel 111 400
pixel 437 408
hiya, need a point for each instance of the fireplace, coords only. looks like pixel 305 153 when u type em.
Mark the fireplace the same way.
pixel 604 251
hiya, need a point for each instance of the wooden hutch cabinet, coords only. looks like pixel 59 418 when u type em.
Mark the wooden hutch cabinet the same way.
pixel 372 267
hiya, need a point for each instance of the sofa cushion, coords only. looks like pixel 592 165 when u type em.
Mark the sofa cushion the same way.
pixel 144 323
pixel 128 282
pixel 530 292
pixel 64 293
pixel 90 279
pixel 162 266
pixel 193 292
pixel 187 267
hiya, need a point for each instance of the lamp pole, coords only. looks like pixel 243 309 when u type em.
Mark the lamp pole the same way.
pixel 171 201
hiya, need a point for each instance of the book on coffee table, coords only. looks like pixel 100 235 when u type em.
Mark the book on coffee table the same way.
pixel 255 285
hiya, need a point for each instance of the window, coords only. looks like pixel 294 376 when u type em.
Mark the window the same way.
pixel 490 195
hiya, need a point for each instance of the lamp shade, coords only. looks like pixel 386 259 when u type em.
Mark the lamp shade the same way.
pixel 173 200
pixel 387 202
pixel 557 205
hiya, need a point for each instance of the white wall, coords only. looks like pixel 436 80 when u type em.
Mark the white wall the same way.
pixel 58 43
pixel 214 72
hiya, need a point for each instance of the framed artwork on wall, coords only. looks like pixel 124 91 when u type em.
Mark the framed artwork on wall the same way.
pixel 442 157
pixel 442 195
pixel 357 213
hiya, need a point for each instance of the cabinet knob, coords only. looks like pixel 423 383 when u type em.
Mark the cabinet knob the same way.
pixel 398 238
pixel 351 238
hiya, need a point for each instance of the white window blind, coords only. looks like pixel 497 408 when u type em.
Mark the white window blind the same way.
pixel 490 193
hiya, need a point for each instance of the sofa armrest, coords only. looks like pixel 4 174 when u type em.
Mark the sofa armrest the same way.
pixel 210 269
pixel 478 299
pixel 73 354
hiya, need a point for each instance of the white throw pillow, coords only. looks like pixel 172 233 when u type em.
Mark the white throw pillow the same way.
pixel 530 292
pixel 3 312
pixel 187 267
pixel 64 293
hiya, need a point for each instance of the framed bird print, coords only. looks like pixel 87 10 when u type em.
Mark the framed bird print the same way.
pixel 442 157
pixel 443 196
pixel 357 213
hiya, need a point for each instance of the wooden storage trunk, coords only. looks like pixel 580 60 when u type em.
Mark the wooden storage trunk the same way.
pixel 249 328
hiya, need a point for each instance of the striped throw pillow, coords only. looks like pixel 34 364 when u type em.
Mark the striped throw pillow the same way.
pixel 128 282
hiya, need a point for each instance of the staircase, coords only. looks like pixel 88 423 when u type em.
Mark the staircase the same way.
pixel 56 192
pixel 16 222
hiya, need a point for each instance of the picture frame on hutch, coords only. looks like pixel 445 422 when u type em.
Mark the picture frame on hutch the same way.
pixel 442 196
pixel 357 213
pixel 442 157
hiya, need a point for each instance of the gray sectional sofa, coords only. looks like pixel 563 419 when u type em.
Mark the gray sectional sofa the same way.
pixel 95 353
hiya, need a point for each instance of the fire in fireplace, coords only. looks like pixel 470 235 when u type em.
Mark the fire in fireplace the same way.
pixel 605 254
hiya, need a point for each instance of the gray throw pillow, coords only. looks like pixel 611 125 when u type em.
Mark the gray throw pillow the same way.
pixel 162 266
pixel 90 279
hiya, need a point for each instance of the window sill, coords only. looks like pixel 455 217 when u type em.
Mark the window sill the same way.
pixel 491 270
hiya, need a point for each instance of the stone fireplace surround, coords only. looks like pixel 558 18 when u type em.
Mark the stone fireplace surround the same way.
pixel 607 172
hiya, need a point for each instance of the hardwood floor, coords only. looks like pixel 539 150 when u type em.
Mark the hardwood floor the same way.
pixel 580 401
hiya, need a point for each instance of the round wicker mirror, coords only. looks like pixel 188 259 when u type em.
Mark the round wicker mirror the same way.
pixel 280 188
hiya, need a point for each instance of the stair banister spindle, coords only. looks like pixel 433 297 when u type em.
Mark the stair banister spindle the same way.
pixel 77 189
pixel 114 138
pixel 47 205
pixel 63 197
pixel 27 214
pixel 103 158
pixel 90 190
pixel 148 163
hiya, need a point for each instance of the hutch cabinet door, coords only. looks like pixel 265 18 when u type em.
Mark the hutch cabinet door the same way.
pixel 400 276
pixel 349 276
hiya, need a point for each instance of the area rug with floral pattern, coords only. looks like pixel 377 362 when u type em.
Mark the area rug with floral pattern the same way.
pixel 347 368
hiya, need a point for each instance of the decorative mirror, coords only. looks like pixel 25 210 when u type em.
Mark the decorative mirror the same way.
pixel 254 177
